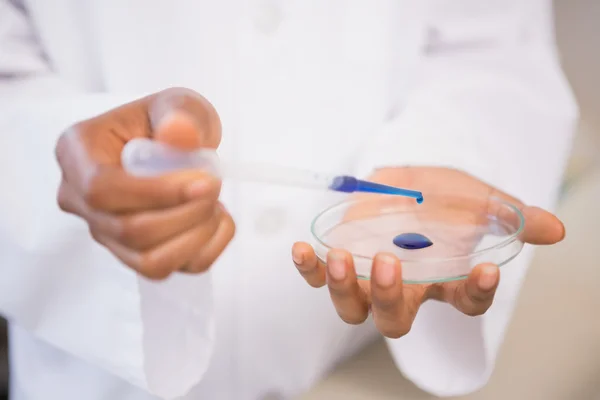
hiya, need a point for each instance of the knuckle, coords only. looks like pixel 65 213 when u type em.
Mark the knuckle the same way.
pixel 230 228
pixel 129 230
pixel 61 148
pixel 157 275
pixel 63 204
pixel 65 149
pixel 92 191
pixel 63 200
pixel 147 264
pixel 200 266
pixel 154 275
pixel 208 201
pixel 221 227
pixel 202 262
pixel 152 267
pixel 93 198
pixel 96 235
pixel 213 228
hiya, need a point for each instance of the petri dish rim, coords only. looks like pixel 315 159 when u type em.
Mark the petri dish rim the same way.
pixel 509 240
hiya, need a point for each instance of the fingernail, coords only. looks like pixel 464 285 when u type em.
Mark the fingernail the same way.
pixel 175 115
pixel 165 120
pixel 488 277
pixel 337 267
pixel 385 272
pixel 179 129
pixel 298 258
pixel 198 188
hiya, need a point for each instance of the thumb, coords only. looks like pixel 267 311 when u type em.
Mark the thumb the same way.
pixel 184 119
pixel 180 130
pixel 541 227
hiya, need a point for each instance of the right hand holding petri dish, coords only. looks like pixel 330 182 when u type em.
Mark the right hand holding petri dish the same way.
pixel 473 229
pixel 462 223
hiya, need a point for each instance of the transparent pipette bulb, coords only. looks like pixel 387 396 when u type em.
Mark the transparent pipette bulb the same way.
pixel 145 157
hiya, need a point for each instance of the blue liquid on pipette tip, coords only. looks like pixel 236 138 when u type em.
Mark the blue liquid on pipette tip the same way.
pixel 349 184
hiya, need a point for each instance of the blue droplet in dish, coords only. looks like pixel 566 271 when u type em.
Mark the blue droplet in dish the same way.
pixel 412 241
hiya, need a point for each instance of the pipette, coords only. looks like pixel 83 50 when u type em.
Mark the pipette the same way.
pixel 145 157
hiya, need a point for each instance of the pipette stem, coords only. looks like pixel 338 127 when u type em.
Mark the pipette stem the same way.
pixel 350 184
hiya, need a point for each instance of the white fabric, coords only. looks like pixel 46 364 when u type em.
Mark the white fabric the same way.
pixel 334 85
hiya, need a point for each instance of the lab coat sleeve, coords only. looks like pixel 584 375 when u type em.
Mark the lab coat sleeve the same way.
pixel 56 281
pixel 492 102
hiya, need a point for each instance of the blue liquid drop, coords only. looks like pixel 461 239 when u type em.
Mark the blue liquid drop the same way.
pixel 412 241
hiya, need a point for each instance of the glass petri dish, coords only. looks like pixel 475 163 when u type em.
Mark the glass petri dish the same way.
pixel 465 231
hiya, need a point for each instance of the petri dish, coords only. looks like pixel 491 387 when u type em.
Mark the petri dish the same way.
pixel 465 231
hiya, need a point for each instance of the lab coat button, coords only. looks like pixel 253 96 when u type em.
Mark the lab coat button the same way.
pixel 268 17
pixel 270 221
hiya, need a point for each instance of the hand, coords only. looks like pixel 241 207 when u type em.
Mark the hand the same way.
pixel 154 225
pixel 395 305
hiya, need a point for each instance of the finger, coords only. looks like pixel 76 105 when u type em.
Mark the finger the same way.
pixel 112 190
pixel 183 118
pixel 67 199
pixel 474 295
pixel 541 227
pixel 388 305
pixel 209 253
pixel 147 229
pixel 161 261
pixel 349 300
pixel 131 258
pixel 308 264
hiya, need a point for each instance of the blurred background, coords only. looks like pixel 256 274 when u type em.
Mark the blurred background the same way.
pixel 3 361
pixel 551 351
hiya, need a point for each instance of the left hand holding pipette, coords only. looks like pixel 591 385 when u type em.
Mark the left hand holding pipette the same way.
pixel 394 305
pixel 154 224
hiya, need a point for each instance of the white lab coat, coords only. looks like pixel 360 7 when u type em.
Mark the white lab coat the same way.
pixel 335 85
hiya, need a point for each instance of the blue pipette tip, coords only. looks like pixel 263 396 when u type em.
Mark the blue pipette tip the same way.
pixel 349 184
